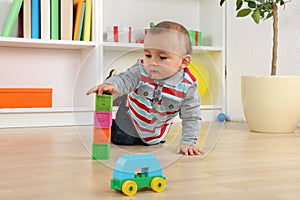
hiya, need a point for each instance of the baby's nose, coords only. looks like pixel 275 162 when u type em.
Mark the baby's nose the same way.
pixel 153 62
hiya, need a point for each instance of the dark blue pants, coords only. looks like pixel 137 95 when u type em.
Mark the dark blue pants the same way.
pixel 119 137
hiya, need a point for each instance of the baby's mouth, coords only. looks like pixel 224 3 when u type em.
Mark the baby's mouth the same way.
pixel 153 71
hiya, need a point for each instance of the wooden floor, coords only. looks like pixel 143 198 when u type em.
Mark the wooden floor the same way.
pixel 55 163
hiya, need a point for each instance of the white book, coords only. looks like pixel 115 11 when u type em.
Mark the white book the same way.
pixel 27 18
pixel 45 19
pixel 66 19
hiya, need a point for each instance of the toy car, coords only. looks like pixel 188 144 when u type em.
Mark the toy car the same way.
pixel 126 180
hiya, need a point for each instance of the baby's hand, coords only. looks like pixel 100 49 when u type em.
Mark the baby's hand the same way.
pixel 188 150
pixel 103 88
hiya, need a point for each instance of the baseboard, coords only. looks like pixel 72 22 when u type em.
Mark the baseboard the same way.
pixel 75 118
pixel 14 120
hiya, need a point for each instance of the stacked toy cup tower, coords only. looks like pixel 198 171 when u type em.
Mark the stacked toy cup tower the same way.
pixel 102 127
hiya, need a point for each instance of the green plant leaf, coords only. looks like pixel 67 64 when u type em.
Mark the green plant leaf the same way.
pixel 269 15
pixel 256 16
pixel 266 6
pixel 239 4
pixel 244 12
pixel 222 2
pixel 282 2
pixel 251 4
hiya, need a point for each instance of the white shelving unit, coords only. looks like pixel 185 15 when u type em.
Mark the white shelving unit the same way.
pixel 72 67
pixel 69 67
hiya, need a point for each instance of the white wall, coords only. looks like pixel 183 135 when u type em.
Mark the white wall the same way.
pixel 249 50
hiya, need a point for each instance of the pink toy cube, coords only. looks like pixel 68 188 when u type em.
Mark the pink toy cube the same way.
pixel 102 119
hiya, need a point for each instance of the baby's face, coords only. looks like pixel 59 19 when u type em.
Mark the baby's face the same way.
pixel 161 64
pixel 162 55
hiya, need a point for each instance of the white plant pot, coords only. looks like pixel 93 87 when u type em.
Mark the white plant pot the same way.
pixel 271 103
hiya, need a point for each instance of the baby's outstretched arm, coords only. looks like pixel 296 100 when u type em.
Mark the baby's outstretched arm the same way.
pixel 188 150
pixel 99 89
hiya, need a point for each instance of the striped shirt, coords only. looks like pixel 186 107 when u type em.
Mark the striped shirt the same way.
pixel 151 104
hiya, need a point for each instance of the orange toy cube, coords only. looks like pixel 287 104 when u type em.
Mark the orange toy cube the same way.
pixel 102 135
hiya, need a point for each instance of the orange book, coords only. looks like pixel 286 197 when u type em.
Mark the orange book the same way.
pixel 78 10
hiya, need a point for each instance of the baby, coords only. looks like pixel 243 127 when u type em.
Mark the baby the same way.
pixel 155 90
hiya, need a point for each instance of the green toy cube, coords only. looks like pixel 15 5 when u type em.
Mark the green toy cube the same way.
pixel 100 151
pixel 104 103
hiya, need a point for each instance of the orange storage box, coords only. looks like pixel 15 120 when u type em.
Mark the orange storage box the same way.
pixel 25 97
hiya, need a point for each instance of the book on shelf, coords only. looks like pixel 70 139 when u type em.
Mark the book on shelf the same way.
pixel 27 18
pixel 20 23
pixel 66 19
pixel 54 27
pixel 45 19
pixel 79 10
pixel 11 18
pixel 35 19
pixel 81 21
pixel 87 25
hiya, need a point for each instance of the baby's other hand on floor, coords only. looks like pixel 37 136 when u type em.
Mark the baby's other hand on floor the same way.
pixel 188 150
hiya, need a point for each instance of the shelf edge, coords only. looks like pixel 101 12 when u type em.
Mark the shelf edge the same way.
pixel 50 44
pixel 114 46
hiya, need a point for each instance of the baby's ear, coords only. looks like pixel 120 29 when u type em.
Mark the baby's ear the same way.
pixel 186 61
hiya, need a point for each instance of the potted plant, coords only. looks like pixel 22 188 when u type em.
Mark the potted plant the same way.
pixel 270 103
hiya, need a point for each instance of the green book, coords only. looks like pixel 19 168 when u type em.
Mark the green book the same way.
pixel 12 18
pixel 54 27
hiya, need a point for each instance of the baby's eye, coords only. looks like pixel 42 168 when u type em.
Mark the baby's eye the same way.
pixel 163 57
pixel 147 55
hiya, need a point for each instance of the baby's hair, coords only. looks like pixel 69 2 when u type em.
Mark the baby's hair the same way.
pixel 183 33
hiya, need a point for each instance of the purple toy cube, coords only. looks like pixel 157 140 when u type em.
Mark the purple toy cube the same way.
pixel 102 119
